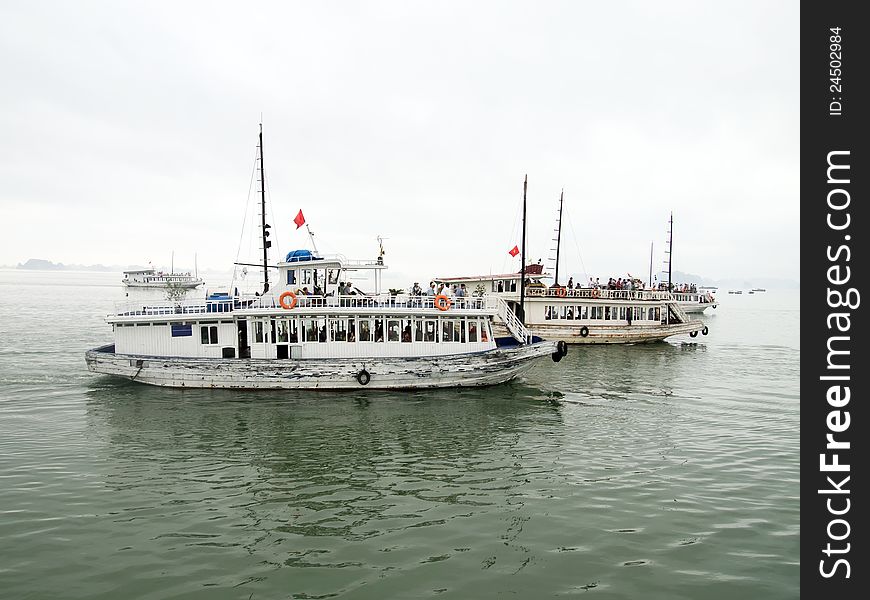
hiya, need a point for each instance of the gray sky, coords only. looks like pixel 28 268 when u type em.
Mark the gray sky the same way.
pixel 128 130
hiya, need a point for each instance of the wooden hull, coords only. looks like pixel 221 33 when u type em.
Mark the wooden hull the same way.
pixel 613 334
pixel 457 370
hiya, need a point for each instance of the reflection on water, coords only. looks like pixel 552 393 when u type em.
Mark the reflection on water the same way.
pixel 656 470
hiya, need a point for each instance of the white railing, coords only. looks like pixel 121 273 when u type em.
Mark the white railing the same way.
pixel 383 301
pixel 513 324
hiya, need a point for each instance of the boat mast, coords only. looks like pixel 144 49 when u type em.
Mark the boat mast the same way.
pixel 522 314
pixel 265 226
pixel 670 251
pixel 650 263
pixel 559 237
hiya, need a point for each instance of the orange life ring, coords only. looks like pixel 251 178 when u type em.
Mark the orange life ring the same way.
pixel 561 292
pixel 283 297
pixel 596 292
pixel 442 302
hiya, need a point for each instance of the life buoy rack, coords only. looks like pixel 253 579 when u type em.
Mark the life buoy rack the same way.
pixel 363 377
pixel 282 300
pixel 584 331
pixel 442 302
pixel 561 292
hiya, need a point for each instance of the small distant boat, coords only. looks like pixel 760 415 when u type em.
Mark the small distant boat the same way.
pixel 757 290
pixel 151 278
pixel 751 291
pixel 735 291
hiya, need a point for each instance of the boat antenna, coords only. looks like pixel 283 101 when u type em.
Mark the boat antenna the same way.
pixel 559 237
pixel 195 267
pixel 522 314
pixel 265 226
pixel 670 252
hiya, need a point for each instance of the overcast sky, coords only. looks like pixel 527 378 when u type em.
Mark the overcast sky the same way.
pixel 129 130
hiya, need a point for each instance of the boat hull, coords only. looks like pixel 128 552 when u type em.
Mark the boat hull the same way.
pixel 615 334
pixel 457 370
pixel 695 308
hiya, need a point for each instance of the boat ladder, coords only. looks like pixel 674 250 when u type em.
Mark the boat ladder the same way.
pixel 513 324
pixel 679 312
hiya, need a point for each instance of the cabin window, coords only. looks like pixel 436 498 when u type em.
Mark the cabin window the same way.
pixel 418 330
pixel 563 311
pixel 311 330
pixel 569 312
pixel 283 335
pixel 393 331
pixel 333 276
pixel 338 330
pixel 429 328
pixel 446 330
pixel 638 313
pixel 258 332
pixel 182 330
pixel 208 334
pixel 459 330
pixel 365 330
pixel 379 330
pixel 291 276
pixel 657 313
pixel 607 313
pixel 650 314
pixel 484 331
pixel 406 330
pixel 472 330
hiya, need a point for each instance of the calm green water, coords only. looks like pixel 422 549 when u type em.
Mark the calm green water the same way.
pixel 655 471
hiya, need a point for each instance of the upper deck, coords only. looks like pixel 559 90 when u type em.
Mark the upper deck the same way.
pixel 270 305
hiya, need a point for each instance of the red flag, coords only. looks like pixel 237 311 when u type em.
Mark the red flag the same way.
pixel 514 251
pixel 299 220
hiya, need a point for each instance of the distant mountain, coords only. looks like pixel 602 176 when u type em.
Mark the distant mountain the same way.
pixel 40 264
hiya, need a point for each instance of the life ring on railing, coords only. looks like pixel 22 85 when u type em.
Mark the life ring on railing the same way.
pixel 584 331
pixel 596 293
pixel 363 377
pixel 282 300
pixel 442 302
pixel 561 292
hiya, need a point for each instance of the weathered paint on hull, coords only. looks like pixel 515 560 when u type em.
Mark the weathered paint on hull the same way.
pixel 459 370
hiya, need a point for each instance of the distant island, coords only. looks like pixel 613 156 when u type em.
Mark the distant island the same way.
pixel 39 264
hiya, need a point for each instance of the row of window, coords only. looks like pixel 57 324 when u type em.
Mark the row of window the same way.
pixel 370 329
pixel 605 313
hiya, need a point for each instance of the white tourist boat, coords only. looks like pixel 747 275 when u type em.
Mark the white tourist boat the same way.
pixel 583 315
pixel 288 338
pixel 154 279
pixel 587 315
pixel 694 301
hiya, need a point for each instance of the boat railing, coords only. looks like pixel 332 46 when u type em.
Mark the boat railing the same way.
pixel 357 302
pixel 598 293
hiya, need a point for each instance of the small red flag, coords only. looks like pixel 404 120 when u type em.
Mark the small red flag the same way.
pixel 299 220
pixel 514 251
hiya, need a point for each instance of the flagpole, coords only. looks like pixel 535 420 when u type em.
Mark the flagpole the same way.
pixel 522 314
pixel 265 227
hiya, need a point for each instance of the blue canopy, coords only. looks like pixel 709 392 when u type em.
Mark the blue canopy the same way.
pixel 299 256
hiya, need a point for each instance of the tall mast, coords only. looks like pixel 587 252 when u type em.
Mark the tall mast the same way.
pixel 523 258
pixel 670 251
pixel 650 263
pixel 265 226
pixel 559 236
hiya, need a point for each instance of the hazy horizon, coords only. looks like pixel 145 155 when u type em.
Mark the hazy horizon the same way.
pixel 129 132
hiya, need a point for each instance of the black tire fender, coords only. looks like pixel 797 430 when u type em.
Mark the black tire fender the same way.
pixel 705 331
pixel 363 377
pixel 693 334
pixel 584 331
